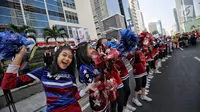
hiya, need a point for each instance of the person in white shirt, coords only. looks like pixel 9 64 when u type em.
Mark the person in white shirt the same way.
pixel 57 46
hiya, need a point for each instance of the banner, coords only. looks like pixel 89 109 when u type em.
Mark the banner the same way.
pixel 87 34
pixel 82 35
pixel 188 11
pixel 75 36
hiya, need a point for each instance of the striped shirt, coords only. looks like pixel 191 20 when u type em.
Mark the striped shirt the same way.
pixel 60 91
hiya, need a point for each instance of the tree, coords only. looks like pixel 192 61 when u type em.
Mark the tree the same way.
pixel 55 33
pixel 155 32
pixel 22 29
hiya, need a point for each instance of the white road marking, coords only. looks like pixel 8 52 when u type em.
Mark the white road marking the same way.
pixel 197 58
pixel 129 70
pixel 181 48
pixel 86 106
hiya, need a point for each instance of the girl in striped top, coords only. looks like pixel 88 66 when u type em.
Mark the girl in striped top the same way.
pixel 58 80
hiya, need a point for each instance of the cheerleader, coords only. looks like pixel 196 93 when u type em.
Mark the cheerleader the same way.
pixel 140 77
pixel 125 79
pixel 88 74
pixel 58 80
pixel 101 48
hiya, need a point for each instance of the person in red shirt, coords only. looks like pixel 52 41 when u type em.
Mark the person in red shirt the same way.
pixel 122 106
pixel 140 74
pixel 125 79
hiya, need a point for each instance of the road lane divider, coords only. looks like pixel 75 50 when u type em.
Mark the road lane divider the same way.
pixel 197 58
pixel 181 48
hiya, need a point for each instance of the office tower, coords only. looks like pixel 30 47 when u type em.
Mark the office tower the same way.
pixel 46 13
pixel 185 12
pixel 137 16
pixel 176 19
pixel 99 9
pixel 153 26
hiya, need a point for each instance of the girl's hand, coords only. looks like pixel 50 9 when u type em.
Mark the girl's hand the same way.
pixel 18 57
pixel 92 86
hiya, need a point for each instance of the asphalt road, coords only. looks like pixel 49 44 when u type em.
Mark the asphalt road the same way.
pixel 177 88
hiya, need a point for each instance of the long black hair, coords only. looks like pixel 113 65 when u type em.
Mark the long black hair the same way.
pixel 99 43
pixel 54 67
pixel 81 55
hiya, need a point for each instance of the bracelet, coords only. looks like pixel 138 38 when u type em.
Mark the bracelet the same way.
pixel 82 93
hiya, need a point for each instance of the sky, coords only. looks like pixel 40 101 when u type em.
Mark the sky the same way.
pixel 154 10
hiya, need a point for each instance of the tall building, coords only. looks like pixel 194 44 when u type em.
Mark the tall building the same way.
pixel 176 19
pixel 113 7
pixel 185 12
pixel 164 32
pixel 159 27
pixel 156 26
pixel 152 27
pixel 45 13
pixel 103 9
pixel 136 16
pixel 99 9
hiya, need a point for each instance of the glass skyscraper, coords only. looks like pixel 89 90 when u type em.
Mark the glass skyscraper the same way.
pixel 38 13
pixel 113 8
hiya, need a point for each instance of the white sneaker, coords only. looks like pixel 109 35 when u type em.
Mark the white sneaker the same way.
pixel 169 56
pixel 147 90
pixel 151 70
pixel 150 76
pixel 146 98
pixel 131 108
pixel 126 110
pixel 158 72
pixel 166 58
pixel 140 92
pixel 147 87
pixel 159 63
pixel 163 60
pixel 136 102
pixel 150 73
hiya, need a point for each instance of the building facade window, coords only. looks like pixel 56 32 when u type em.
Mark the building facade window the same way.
pixel 72 17
pixel 35 16
pixel 10 13
pixel 55 10
pixel 9 4
pixel 69 4
pixel 54 2
pixel 11 20
pixel 38 3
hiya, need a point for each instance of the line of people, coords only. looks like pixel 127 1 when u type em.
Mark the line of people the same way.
pixel 102 71
pixel 186 39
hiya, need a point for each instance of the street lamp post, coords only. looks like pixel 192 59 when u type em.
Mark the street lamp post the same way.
pixel 122 11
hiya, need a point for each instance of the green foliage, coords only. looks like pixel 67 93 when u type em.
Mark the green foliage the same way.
pixel 36 65
pixel 155 32
pixel 55 33
pixel 22 29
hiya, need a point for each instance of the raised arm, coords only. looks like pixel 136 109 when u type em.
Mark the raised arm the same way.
pixel 11 79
